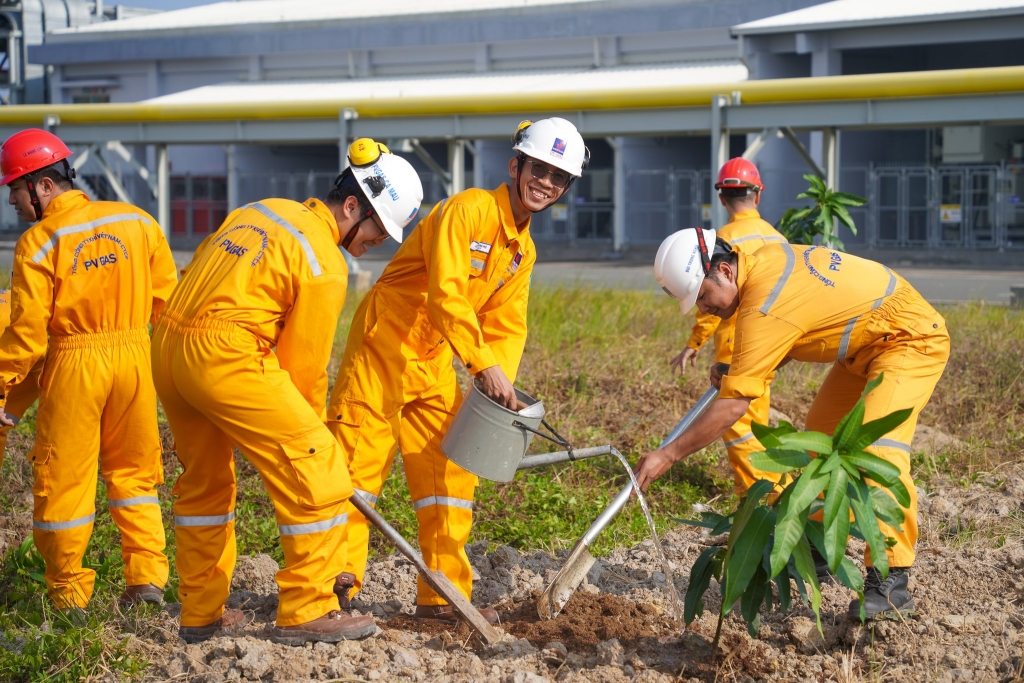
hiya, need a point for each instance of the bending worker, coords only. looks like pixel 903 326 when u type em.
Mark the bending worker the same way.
pixel 458 286
pixel 88 279
pixel 815 305
pixel 23 394
pixel 739 189
pixel 240 359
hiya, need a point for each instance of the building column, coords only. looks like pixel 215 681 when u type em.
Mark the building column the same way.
pixel 619 238
pixel 456 166
pixel 231 154
pixel 163 190
pixel 719 155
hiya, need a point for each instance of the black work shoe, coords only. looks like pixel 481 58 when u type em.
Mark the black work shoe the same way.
pixel 821 567
pixel 343 585
pixel 231 622
pixel 888 599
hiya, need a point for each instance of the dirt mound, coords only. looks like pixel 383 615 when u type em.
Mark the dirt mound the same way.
pixel 588 619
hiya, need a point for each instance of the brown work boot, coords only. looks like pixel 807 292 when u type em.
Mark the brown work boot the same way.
pixel 343 585
pixel 145 592
pixel 330 628
pixel 231 621
pixel 447 613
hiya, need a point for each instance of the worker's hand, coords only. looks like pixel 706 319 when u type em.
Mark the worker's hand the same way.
pixel 679 362
pixel 496 387
pixel 718 370
pixel 7 420
pixel 651 466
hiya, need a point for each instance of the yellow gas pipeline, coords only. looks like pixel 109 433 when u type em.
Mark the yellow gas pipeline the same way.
pixel 870 86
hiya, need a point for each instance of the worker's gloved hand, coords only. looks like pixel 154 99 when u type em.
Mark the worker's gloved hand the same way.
pixel 679 362
pixel 718 370
pixel 497 387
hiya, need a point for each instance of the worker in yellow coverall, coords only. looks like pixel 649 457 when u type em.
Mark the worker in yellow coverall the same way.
pixel 812 304
pixel 240 359
pixel 22 395
pixel 88 279
pixel 739 185
pixel 457 287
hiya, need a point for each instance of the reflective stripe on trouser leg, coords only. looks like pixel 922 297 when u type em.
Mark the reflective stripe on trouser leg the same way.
pixel 62 545
pixel 442 494
pixel 740 444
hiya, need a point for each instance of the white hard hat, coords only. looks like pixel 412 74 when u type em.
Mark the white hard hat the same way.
pixel 680 264
pixel 555 142
pixel 394 190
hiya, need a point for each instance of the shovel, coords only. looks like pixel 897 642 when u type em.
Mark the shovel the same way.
pixel 436 580
pixel 572 573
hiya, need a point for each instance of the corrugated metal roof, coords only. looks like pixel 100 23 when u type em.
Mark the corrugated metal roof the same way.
pixel 660 76
pixel 249 14
pixel 861 13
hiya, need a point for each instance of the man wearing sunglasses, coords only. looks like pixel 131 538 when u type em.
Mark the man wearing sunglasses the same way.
pixel 239 360
pixel 457 287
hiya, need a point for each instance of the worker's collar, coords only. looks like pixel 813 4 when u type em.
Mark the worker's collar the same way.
pixel 320 209
pixel 65 200
pixel 508 221
pixel 745 215
pixel 742 266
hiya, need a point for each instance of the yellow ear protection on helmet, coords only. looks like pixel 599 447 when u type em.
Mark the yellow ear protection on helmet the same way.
pixel 366 151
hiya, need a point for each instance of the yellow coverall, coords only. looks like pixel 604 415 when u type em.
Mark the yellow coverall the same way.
pixel 747 233
pixel 88 279
pixel 819 306
pixel 240 358
pixel 23 394
pixel 458 285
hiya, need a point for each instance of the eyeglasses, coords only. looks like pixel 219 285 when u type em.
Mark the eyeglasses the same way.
pixel 559 179
pixel 372 216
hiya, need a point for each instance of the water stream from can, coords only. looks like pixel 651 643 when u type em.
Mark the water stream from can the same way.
pixel 669 579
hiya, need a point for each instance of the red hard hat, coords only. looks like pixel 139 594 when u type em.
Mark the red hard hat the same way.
pixel 28 151
pixel 739 173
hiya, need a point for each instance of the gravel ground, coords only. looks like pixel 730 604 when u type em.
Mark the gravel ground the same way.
pixel 969 626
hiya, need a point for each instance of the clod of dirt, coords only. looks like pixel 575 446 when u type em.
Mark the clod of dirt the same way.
pixel 589 619
pixel 255 574
pixel 931 440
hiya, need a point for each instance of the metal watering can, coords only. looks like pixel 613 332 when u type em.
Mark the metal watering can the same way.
pixel 490 440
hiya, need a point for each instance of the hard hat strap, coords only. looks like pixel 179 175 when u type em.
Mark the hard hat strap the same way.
pixel 354 230
pixel 703 248
pixel 34 197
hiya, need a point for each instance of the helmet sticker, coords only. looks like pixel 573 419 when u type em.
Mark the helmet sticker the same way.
pixel 558 148
pixel 414 210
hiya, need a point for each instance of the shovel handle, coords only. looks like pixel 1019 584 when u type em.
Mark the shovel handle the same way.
pixel 389 532
pixel 620 500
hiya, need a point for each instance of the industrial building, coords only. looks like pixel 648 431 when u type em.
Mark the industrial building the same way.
pixel 218 105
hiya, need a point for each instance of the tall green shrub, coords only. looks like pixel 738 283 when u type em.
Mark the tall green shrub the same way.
pixel 800 226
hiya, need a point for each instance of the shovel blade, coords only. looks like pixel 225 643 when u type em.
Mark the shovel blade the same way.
pixel 565 583
pixel 447 590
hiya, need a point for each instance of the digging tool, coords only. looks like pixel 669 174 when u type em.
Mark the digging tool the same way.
pixel 436 580
pixel 572 573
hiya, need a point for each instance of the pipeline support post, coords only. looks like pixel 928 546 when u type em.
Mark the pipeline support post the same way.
pixel 163 190
pixel 231 154
pixel 719 155
pixel 345 118
pixel 456 166
pixel 618 193
pixel 830 144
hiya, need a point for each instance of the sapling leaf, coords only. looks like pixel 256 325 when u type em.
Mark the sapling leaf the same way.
pixel 842 214
pixel 837 535
pixel 808 441
pixel 779 460
pixel 805 566
pixel 860 498
pixel 873 466
pixel 887 509
pixel 849 575
pixel 848 426
pixel 767 436
pixel 836 501
pixel 752 599
pixel 845 199
pixel 870 432
pixel 722 526
pixel 745 555
pixel 850 469
pixel 792 513
pixel 700 578
pixel 708 520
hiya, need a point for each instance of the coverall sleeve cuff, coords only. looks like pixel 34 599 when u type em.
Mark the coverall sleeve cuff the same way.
pixel 695 343
pixel 743 387
pixel 482 359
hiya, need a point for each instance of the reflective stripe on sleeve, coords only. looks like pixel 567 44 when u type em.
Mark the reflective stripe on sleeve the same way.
pixel 84 227
pixel 62 526
pixel 312 527
pixel 766 238
pixel 736 442
pixel 367 496
pixel 314 264
pixel 137 500
pixel 442 500
pixel 892 443
pixel 203 520
pixel 783 279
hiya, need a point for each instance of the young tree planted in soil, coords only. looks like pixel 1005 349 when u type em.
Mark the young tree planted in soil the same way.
pixel 770 537
pixel 800 226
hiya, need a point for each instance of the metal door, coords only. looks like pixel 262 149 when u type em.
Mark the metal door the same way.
pixel 1013 207
pixel 649 198
pixel 982 204
pixel 917 215
pixel 887 194
pixel 952 182
pixel 686 196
